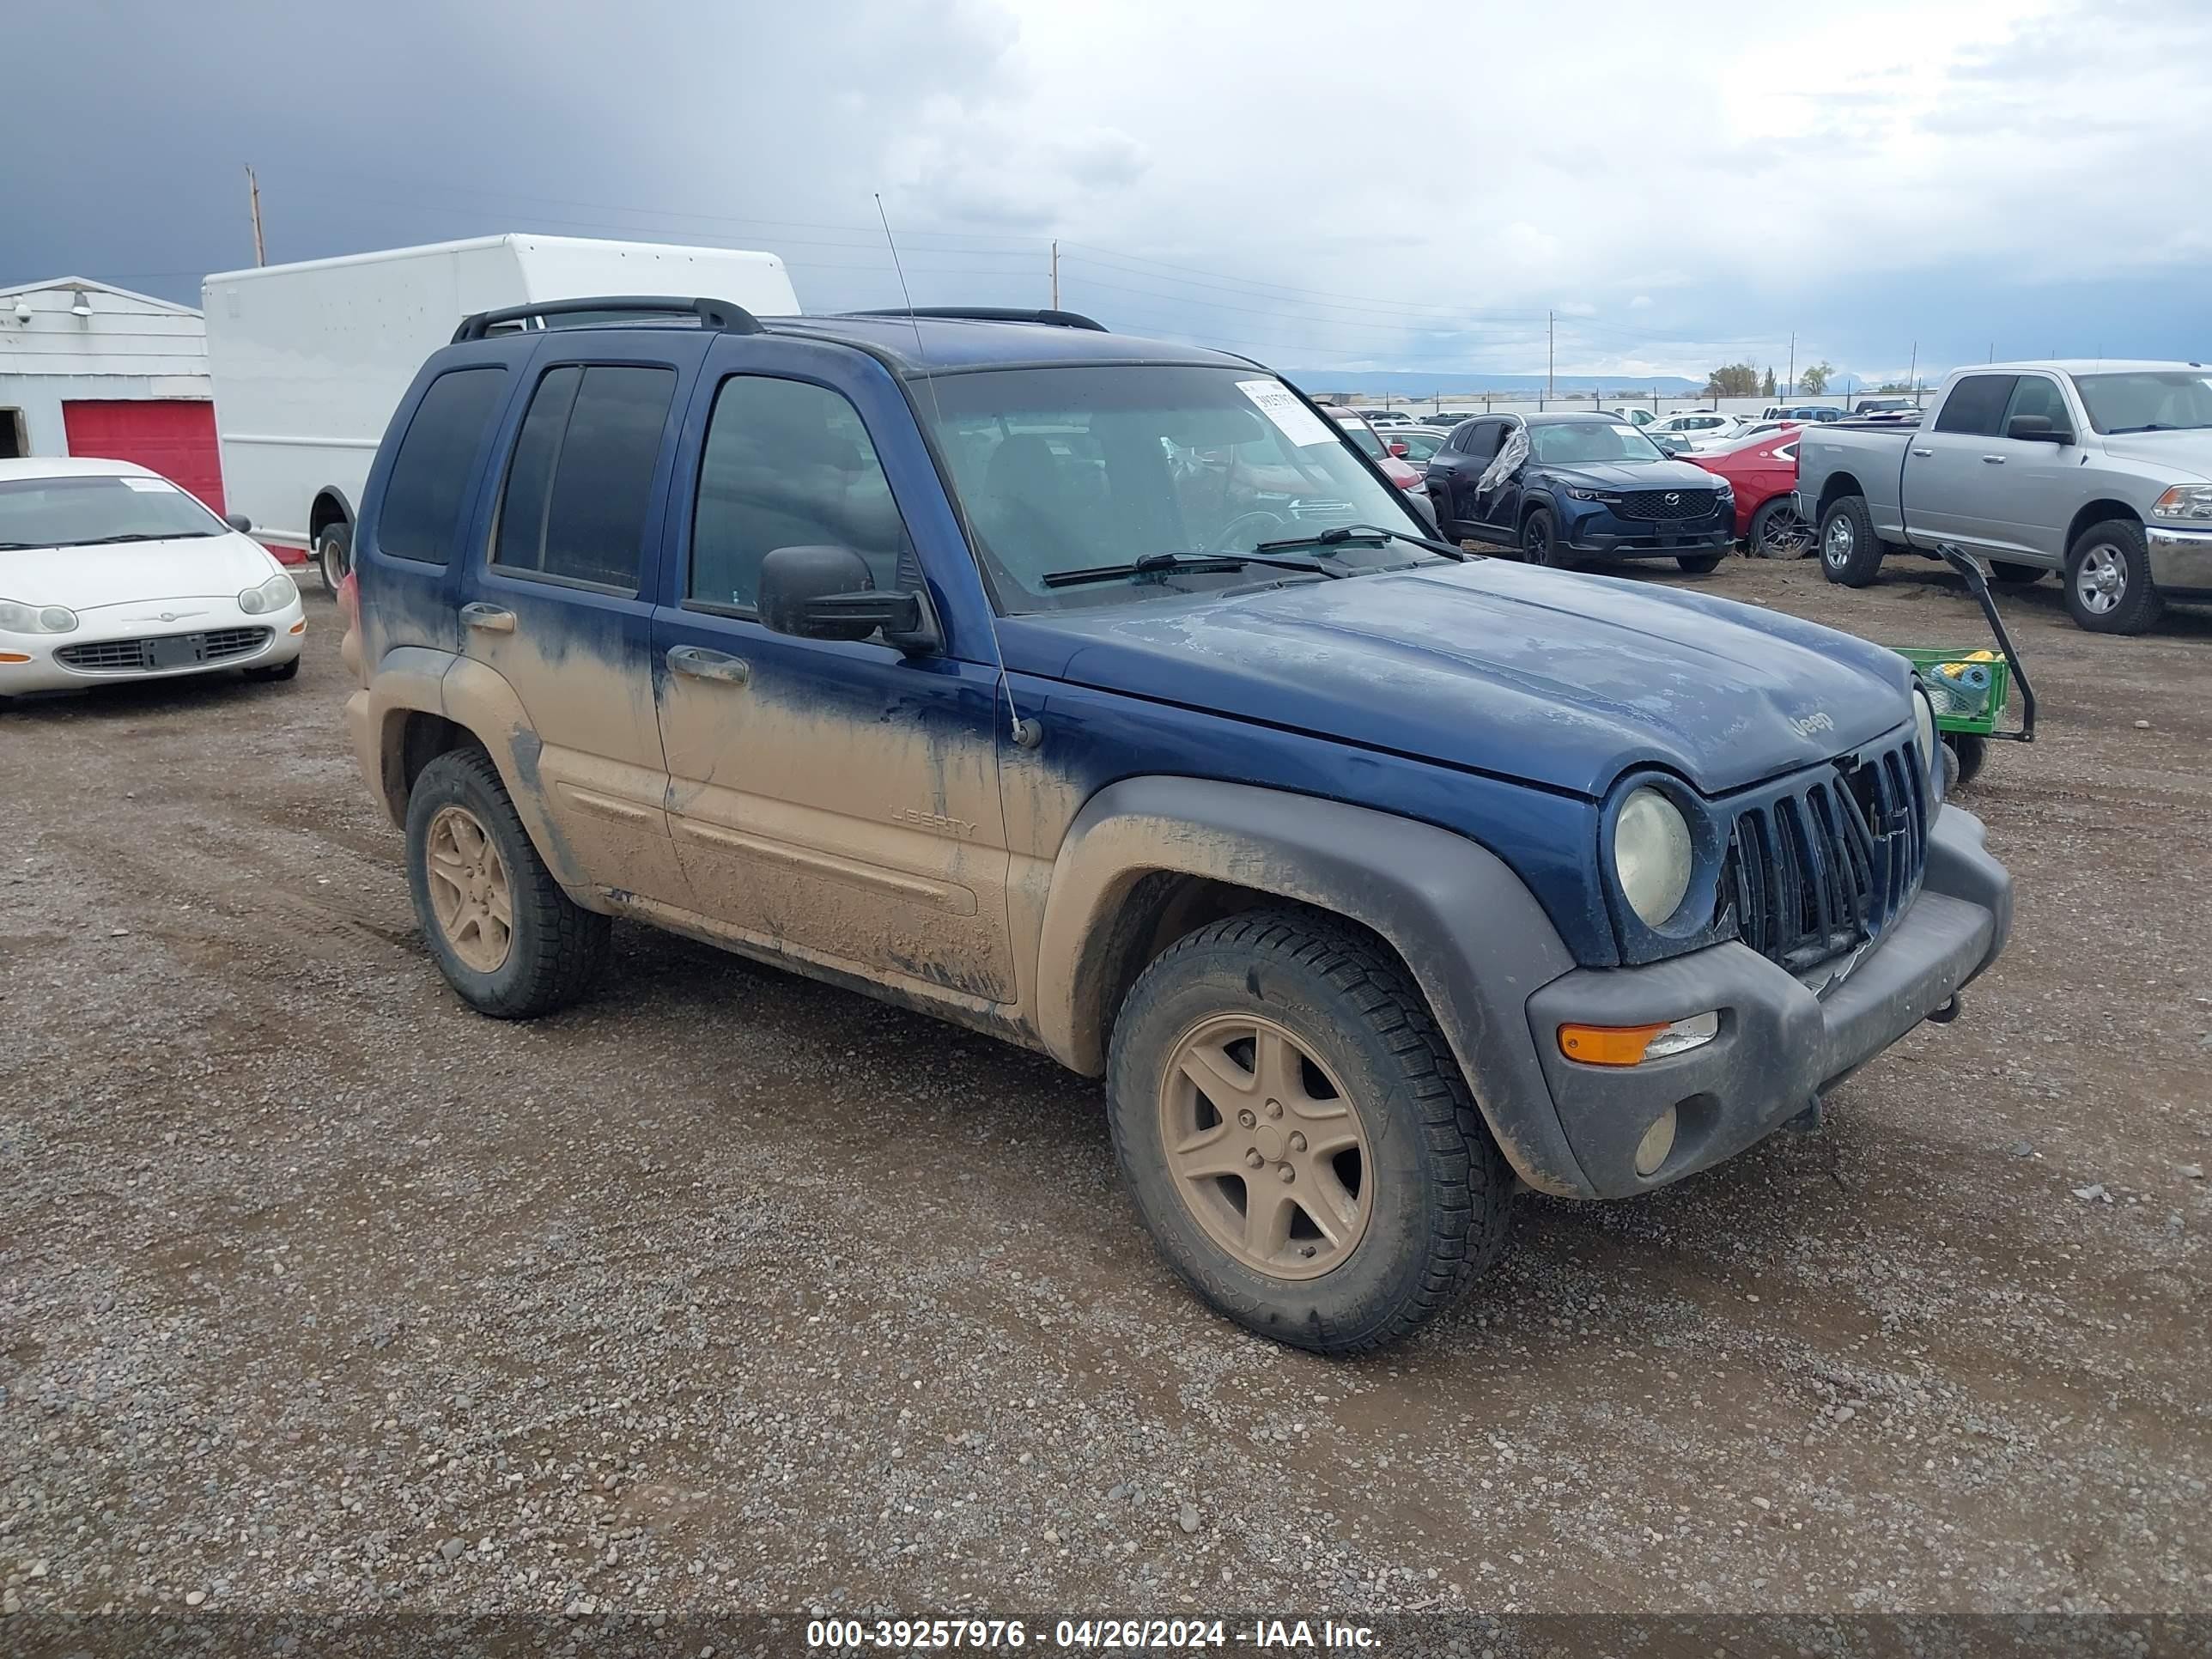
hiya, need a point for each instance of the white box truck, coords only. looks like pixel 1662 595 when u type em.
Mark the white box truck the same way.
pixel 308 361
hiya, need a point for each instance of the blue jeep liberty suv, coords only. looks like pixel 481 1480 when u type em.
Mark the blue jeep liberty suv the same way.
pixel 1096 693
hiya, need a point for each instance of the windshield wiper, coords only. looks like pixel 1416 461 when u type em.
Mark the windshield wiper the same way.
pixel 1336 534
pixel 1180 563
pixel 131 536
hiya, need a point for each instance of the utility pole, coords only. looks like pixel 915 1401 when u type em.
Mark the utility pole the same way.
pixel 1550 356
pixel 254 197
pixel 1793 362
pixel 1055 273
pixel 1912 375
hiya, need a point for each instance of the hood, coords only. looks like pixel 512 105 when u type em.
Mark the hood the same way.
pixel 1522 673
pixel 2187 456
pixel 1629 475
pixel 86 578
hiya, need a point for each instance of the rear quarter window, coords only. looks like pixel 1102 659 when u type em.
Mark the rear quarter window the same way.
pixel 437 457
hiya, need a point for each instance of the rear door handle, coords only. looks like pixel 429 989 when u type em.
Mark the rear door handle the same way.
pixel 700 664
pixel 489 619
pixel 1993 460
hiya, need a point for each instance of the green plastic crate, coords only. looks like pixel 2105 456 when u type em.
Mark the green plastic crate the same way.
pixel 1968 694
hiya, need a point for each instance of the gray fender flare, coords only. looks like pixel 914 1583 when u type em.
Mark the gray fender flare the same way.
pixel 1475 939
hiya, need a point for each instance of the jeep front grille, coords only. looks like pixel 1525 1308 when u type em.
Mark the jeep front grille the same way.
pixel 181 651
pixel 1664 504
pixel 1827 864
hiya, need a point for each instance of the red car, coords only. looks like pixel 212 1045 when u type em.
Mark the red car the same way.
pixel 1763 470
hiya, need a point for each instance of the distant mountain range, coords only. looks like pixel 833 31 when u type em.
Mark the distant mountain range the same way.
pixel 1423 387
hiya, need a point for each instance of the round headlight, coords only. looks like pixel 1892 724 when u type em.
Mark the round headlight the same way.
pixel 1652 855
pixel 272 595
pixel 35 619
pixel 1923 735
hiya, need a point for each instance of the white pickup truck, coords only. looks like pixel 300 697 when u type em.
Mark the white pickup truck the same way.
pixel 2102 471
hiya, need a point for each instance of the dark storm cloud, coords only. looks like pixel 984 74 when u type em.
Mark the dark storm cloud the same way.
pixel 380 125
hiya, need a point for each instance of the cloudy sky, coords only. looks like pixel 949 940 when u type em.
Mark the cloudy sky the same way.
pixel 1327 186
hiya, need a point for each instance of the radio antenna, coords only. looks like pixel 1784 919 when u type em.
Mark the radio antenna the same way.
pixel 1027 734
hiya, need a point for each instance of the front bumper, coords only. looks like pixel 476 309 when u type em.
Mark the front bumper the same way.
pixel 207 637
pixel 1600 535
pixel 1780 1046
pixel 2180 560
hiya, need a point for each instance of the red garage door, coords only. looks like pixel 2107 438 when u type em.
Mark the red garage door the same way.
pixel 174 436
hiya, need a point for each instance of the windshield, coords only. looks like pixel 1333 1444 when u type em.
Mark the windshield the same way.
pixel 1072 469
pixel 1564 442
pixel 2148 400
pixel 73 512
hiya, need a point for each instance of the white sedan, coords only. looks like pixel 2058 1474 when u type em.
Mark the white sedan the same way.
pixel 109 572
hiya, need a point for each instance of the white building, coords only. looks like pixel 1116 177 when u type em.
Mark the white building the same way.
pixel 88 368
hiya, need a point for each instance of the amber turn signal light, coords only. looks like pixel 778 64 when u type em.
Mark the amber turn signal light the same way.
pixel 1631 1045
pixel 13 656
pixel 1608 1045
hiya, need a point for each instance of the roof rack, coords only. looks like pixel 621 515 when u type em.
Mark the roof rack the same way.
pixel 711 313
pixel 992 314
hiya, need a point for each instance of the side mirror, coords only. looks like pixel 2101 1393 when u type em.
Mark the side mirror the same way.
pixel 829 593
pixel 239 522
pixel 2037 428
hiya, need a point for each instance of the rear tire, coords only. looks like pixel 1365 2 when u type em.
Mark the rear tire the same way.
pixel 334 555
pixel 1698 564
pixel 553 946
pixel 2020 576
pixel 1851 552
pixel 1421 1203
pixel 1540 540
pixel 1777 532
pixel 2108 585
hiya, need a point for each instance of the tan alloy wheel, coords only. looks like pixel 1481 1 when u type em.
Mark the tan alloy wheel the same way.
pixel 468 891
pixel 1266 1152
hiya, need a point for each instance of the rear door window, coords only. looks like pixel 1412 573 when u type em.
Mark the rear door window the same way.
pixel 580 487
pixel 1977 404
pixel 436 460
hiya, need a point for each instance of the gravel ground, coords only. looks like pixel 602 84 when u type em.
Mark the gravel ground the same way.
pixel 319 1292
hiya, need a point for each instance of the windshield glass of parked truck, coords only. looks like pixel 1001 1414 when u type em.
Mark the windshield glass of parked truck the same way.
pixel 1074 469
pixel 84 511
pixel 2148 400
pixel 1570 441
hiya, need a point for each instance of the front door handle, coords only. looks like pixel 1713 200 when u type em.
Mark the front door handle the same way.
pixel 1993 460
pixel 488 618
pixel 1923 452
pixel 702 663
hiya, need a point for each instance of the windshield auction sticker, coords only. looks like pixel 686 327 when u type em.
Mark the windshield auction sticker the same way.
pixel 1296 422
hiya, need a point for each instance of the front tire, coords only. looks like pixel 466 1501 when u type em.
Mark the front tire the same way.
pixel 1698 564
pixel 2108 585
pixel 1851 552
pixel 279 671
pixel 1297 1135
pixel 1540 540
pixel 334 555
pixel 504 934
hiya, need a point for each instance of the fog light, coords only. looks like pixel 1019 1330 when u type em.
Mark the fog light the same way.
pixel 1658 1141
pixel 1631 1045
